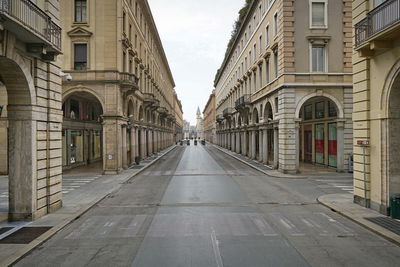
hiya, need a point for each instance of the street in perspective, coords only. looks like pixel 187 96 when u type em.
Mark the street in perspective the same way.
pixel 241 133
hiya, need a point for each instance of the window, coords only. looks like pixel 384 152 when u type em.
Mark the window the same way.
pixel 276 62
pixel 276 104
pixel 378 2
pixel 318 58
pixel 260 71
pixel 80 56
pixel 123 22
pixel 260 12
pixel 318 14
pixel 254 52
pixel 260 41
pixel 267 36
pixel 320 110
pixel 123 62
pixel 332 112
pixel 267 70
pixel 80 11
pixel 275 24
pixel 308 112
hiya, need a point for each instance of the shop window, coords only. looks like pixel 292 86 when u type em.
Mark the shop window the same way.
pixel 320 110
pixel 76 147
pixel 308 112
pixel 332 109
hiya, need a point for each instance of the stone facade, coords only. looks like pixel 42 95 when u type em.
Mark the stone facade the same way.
pixel 199 125
pixel 209 119
pixel 30 96
pixel 376 78
pixel 121 86
pixel 284 93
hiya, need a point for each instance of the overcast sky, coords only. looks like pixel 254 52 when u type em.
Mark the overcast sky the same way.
pixel 194 34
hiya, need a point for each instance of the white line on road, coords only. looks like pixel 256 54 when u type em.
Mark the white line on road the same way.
pixel 217 253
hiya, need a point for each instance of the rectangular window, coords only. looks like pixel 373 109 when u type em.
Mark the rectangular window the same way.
pixel 318 58
pixel 80 56
pixel 123 22
pixel 318 14
pixel 276 104
pixel 254 52
pixel 267 36
pixel 320 110
pixel 260 41
pixel 275 24
pixel 267 70
pixel 81 11
pixel 260 71
pixel 276 62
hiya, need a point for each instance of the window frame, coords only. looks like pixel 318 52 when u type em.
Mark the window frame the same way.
pixel 73 55
pixel 325 26
pixel 87 12
pixel 312 45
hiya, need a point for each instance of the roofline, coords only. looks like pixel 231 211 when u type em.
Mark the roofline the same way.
pixel 224 63
pixel 159 41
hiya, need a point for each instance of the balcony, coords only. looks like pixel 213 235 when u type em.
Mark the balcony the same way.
pixel 163 111
pixel 148 99
pixel 381 24
pixel 129 82
pixel 228 112
pixel 31 25
pixel 242 101
pixel 220 117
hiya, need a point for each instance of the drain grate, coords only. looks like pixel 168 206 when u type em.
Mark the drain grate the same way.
pixel 24 235
pixel 387 223
pixel 5 229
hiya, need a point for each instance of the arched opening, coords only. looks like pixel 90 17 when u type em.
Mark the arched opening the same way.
pixel 82 132
pixel 394 137
pixel 18 142
pixel 268 118
pixel 130 140
pixel 318 132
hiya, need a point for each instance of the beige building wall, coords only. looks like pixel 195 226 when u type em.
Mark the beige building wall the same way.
pixel 209 119
pixel 376 96
pixel 31 90
pixel 127 73
pixel 265 83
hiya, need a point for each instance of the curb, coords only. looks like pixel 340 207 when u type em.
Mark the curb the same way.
pixel 55 229
pixel 386 234
pixel 260 170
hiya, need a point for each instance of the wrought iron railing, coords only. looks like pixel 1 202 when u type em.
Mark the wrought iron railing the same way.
pixel 377 20
pixel 243 100
pixel 31 16
pixel 219 117
pixel 227 112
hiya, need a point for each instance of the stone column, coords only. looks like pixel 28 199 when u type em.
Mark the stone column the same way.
pixel 340 144
pixel 112 146
pixel 124 149
pixel 265 147
pixel 297 139
pixel 253 144
pixel 137 144
pixel 244 153
pixel 143 143
pixel 276 147
pixel 260 145
pixel 238 142
pixel 150 142
pixel 133 144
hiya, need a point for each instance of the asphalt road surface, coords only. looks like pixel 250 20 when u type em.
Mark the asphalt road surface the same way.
pixel 200 207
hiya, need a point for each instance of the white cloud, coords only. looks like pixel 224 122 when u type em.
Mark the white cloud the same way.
pixel 194 34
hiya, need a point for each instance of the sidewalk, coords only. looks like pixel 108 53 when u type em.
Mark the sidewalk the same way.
pixel 380 224
pixel 259 166
pixel 75 203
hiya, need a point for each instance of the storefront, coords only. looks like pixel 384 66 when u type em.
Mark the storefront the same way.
pixel 82 131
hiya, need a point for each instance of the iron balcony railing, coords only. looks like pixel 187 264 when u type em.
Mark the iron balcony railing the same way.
pixel 220 117
pixel 126 77
pixel 377 20
pixel 242 101
pixel 32 17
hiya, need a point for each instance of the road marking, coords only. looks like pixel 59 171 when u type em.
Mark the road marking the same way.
pixel 217 253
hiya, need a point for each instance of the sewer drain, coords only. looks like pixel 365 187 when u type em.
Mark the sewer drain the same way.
pixel 5 229
pixel 24 235
pixel 387 223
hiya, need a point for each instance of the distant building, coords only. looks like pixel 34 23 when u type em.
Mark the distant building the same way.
pixel 186 129
pixel 209 119
pixel 199 125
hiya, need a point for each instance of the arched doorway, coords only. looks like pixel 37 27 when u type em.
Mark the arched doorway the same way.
pixel 17 98
pixel 268 119
pixel 394 137
pixel 318 137
pixel 82 133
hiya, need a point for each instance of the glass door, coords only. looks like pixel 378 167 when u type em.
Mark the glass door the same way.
pixel 319 143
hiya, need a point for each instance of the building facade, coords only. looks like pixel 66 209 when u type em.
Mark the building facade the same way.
pixel 178 132
pixel 30 106
pixel 376 118
pixel 186 129
pixel 284 91
pixel 210 119
pixel 120 103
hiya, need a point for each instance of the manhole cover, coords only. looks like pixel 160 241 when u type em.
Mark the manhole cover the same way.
pixel 24 235
pixel 387 223
pixel 5 229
